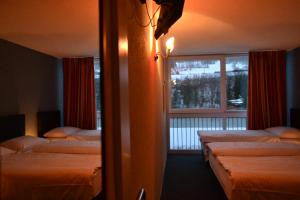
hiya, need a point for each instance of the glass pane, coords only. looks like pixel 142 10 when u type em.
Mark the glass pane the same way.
pixel 237 82
pixel 195 84
pixel 98 92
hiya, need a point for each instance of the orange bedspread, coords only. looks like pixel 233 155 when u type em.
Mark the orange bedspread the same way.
pixel 50 176
pixel 262 178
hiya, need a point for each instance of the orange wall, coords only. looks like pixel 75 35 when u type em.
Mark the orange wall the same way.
pixel 148 138
pixel 134 115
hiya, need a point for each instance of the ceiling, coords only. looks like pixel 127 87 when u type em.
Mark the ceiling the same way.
pixel 64 29
pixel 61 28
pixel 230 26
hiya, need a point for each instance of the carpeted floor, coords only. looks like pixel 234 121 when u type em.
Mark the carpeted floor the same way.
pixel 188 177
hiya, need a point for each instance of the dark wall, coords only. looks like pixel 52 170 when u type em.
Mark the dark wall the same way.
pixel 293 79
pixel 30 81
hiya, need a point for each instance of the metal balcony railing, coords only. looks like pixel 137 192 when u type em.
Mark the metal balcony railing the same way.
pixel 183 128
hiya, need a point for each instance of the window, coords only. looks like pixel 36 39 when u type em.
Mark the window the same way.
pixel 195 84
pixel 206 93
pixel 98 91
pixel 237 82
pixel 202 83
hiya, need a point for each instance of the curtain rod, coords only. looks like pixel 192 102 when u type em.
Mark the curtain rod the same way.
pixel 232 53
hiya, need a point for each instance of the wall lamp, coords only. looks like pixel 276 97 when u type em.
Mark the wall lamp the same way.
pixel 169 49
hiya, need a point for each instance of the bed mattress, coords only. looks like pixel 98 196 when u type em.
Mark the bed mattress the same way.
pixel 50 176
pixel 69 147
pixel 253 149
pixel 260 178
pixel 87 135
pixel 234 136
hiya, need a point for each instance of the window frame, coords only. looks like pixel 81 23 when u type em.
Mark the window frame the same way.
pixel 98 112
pixel 223 85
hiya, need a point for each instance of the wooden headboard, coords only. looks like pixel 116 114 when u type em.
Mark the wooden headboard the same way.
pixel 12 126
pixel 295 117
pixel 47 120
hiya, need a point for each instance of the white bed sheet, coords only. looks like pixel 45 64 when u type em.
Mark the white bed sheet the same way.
pixel 259 178
pixel 253 149
pixel 87 135
pixel 69 147
pixel 50 176
pixel 234 136
pixel 222 176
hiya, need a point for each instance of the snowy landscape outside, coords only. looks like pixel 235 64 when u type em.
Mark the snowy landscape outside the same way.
pixel 97 92
pixel 196 84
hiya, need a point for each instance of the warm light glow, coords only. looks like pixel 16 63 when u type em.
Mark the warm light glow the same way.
pixel 170 45
pixel 151 38
pixel 123 46
pixel 150 32
pixel 157 47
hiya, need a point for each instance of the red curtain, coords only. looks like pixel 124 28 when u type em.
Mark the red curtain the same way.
pixel 79 93
pixel 267 89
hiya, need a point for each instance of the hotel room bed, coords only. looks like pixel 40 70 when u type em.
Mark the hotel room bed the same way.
pixel 206 137
pixel 49 126
pixel 257 170
pixel 42 145
pixel 274 134
pixel 73 133
pixel 260 178
pixel 36 168
pixel 50 176
pixel 253 149
pixel 87 135
pixel 69 147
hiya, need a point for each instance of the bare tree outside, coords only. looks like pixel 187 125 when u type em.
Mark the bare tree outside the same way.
pixel 237 82
pixel 98 91
pixel 195 84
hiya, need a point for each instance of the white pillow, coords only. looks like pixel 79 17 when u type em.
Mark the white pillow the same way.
pixel 23 143
pixel 284 132
pixel 61 132
pixel 5 151
pixel 86 135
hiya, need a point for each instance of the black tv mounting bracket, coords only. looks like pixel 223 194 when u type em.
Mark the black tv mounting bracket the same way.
pixel 159 2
